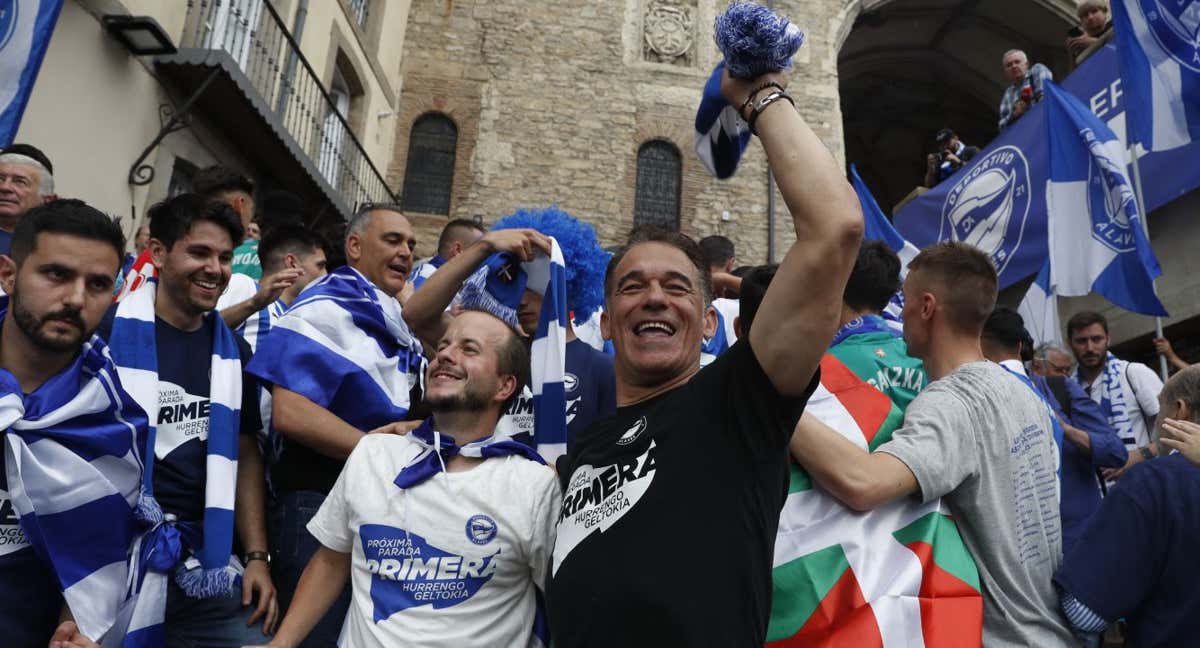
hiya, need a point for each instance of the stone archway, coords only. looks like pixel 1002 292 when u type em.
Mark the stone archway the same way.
pixel 907 68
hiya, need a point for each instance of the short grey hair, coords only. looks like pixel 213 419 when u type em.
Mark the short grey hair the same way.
pixel 45 178
pixel 1015 51
pixel 1087 5
pixel 362 217
pixel 1185 386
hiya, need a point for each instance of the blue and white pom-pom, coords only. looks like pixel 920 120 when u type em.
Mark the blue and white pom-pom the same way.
pixel 755 40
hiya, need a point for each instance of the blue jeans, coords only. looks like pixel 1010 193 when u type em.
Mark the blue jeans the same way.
pixel 292 547
pixel 210 623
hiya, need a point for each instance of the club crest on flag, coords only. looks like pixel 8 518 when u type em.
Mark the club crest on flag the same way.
pixel 8 20
pixel 1176 27
pixel 1108 188
pixel 989 205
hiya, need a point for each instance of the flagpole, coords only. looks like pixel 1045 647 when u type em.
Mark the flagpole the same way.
pixel 1137 189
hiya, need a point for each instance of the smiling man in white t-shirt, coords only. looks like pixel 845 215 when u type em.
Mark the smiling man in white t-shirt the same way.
pixel 444 548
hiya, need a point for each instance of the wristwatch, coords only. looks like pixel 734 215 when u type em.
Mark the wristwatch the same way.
pixel 256 555
pixel 1146 453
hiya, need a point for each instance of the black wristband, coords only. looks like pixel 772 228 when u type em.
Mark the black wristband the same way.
pixel 1147 453
pixel 762 105
pixel 754 93
pixel 256 555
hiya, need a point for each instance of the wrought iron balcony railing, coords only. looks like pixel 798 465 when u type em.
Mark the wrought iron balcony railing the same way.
pixel 257 39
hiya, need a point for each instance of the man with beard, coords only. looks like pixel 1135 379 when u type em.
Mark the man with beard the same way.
pixel 671 505
pixel 341 362
pixel 1127 392
pixel 182 363
pixel 446 532
pixel 59 279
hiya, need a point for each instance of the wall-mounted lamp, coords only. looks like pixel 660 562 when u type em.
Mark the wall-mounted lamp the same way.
pixel 141 35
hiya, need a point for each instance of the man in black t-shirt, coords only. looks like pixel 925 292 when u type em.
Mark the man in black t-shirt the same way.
pixel 671 505
pixel 191 244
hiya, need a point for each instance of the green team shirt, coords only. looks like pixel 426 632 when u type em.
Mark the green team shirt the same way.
pixel 245 260
pixel 882 359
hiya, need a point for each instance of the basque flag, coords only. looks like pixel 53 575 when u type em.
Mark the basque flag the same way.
pixel 1096 239
pixel 1158 51
pixel 25 28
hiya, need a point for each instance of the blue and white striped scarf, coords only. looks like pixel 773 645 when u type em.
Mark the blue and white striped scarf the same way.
pixel 211 571
pixel 1112 398
pixel 258 326
pixel 425 270
pixel 439 447
pixel 253 331
pixel 721 134
pixel 864 325
pixel 497 287
pixel 74 452
pixel 344 346
pixel 753 40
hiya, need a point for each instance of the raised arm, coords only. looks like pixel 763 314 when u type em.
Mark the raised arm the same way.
pixel 425 311
pixel 269 290
pixel 861 480
pixel 804 301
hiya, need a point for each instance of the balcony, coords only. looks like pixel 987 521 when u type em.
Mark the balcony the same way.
pixel 248 78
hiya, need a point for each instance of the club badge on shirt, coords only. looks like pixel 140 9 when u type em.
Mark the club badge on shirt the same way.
pixel 408 572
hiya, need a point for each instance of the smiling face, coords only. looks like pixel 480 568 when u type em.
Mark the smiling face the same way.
pixel 464 374
pixel 62 289
pixel 383 250
pixel 656 316
pixel 194 272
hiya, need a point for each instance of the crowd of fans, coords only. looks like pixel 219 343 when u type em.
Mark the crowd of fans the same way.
pixel 382 490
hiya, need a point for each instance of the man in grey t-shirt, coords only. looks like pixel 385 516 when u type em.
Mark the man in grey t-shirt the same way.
pixel 977 436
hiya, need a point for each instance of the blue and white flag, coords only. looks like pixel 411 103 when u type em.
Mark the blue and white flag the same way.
pixel 1096 239
pixel 211 570
pixel 1158 52
pixel 74 450
pixel 1039 309
pixel 721 134
pixel 25 29
pixel 497 287
pixel 344 346
pixel 877 227
pixel 425 270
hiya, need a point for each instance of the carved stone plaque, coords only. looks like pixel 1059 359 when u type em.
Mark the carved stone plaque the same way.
pixel 668 29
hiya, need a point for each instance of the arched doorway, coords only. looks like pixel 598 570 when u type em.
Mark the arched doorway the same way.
pixel 908 68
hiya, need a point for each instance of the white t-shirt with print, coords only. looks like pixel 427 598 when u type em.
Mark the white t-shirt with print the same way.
pixel 452 561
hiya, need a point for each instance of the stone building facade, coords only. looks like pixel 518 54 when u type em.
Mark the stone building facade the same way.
pixel 553 101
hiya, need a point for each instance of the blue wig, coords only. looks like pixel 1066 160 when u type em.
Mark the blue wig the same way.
pixel 584 258
pixel 755 40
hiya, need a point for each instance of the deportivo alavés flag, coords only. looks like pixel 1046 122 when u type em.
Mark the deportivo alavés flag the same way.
pixel 1158 52
pixel 25 28
pixel 1096 239
pixel 896 576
